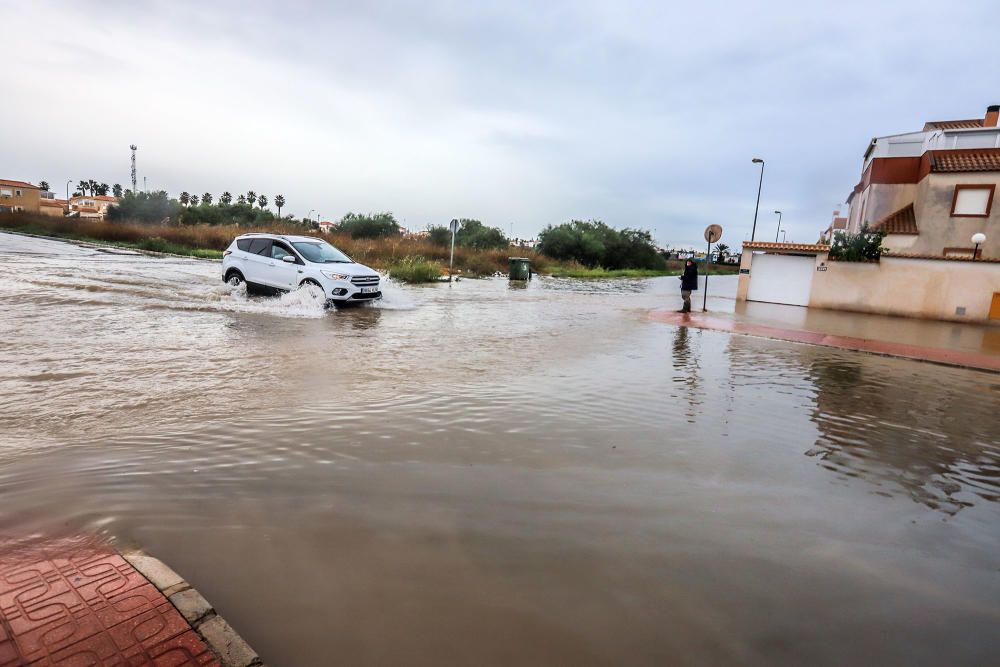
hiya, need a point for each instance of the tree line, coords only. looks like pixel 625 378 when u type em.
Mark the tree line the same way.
pixel 188 209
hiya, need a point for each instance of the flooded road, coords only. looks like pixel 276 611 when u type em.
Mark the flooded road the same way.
pixel 486 474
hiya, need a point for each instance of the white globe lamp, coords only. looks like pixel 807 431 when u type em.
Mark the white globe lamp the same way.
pixel 978 238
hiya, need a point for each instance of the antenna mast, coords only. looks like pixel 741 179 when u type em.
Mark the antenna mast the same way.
pixel 134 149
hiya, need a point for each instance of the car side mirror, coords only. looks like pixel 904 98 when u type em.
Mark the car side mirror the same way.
pixel 289 259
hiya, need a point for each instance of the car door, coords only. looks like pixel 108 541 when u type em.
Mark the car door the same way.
pixel 284 275
pixel 258 261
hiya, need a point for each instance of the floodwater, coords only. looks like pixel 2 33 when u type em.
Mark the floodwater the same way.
pixel 486 474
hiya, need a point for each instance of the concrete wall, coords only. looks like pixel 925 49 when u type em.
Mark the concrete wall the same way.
pixel 939 230
pixel 925 288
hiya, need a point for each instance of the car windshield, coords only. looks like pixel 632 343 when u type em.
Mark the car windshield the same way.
pixel 321 252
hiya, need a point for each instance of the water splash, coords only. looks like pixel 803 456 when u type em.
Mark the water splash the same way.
pixel 394 297
pixel 306 302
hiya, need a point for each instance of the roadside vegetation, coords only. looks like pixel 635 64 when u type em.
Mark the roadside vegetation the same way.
pixel 594 244
pixel 400 255
pixel 372 239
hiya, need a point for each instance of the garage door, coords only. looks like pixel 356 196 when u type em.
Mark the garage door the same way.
pixel 781 279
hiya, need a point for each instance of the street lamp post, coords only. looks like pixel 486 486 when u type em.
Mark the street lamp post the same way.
pixel 451 259
pixel 978 238
pixel 67 195
pixel 760 184
pixel 310 216
pixel 779 227
pixel 783 236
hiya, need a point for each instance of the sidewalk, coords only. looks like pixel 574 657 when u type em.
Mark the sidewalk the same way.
pixel 948 343
pixel 67 604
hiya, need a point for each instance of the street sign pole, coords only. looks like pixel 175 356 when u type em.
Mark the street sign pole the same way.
pixel 712 234
pixel 708 262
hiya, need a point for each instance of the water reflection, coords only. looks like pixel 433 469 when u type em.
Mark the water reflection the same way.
pixel 687 370
pixel 926 438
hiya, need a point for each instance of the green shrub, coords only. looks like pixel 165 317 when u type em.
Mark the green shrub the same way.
pixel 595 244
pixel 371 226
pixel 415 270
pixel 865 246
pixel 470 234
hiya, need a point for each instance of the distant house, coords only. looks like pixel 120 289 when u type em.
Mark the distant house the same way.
pixel 90 206
pixel 837 224
pixel 932 189
pixel 53 207
pixel 19 196
pixel 326 226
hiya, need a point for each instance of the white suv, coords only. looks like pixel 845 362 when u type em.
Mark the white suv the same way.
pixel 275 263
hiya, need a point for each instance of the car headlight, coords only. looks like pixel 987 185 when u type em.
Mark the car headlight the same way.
pixel 335 276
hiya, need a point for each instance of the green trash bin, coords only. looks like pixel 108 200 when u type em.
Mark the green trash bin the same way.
pixel 520 268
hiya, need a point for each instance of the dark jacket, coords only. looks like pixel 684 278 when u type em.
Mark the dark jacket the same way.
pixel 689 280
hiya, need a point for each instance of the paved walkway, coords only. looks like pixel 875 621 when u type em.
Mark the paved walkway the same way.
pixel 72 604
pixel 89 607
pixel 890 333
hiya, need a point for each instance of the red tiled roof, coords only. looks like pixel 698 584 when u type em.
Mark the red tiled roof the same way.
pixel 801 247
pixel 973 159
pixel 903 221
pixel 105 198
pixel 953 124
pixel 53 202
pixel 18 184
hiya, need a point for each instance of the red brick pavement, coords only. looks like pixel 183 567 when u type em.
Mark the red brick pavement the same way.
pixel 88 606
pixel 933 354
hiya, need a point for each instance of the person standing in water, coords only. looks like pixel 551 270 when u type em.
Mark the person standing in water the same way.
pixel 689 283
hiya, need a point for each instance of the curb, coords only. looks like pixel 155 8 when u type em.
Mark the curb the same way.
pixel 231 649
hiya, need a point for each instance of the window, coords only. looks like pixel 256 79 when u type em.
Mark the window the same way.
pixel 280 251
pixel 972 201
pixel 261 247
pixel 321 252
pixel 4 192
pixel 243 244
pixel 18 193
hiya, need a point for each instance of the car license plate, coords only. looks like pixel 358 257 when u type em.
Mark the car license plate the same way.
pixel 368 290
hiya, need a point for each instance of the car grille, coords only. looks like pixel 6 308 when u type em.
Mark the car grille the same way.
pixel 369 295
pixel 365 281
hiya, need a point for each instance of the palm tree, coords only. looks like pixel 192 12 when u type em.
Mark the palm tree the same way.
pixel 226 198
pixel 279 201
pixel 206 199
pixel 81 185
pixel 723 251
pixel 184 198
pixel 43 185
pixel 251 198
pixel 102 189
pixel 262 201
pixel 194 200
pixel 241 200
pixel 116 190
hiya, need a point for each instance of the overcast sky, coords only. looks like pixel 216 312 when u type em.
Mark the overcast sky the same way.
pixel 642 114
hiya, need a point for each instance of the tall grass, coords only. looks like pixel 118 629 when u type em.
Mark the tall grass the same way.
pixel 382 253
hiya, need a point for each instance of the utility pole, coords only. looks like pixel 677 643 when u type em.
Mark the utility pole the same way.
pixel 135 188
